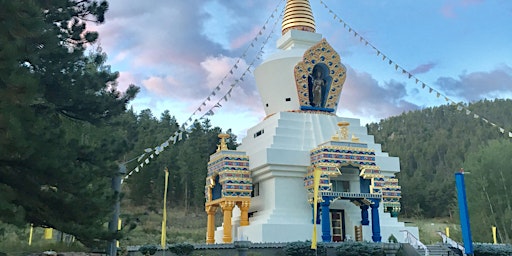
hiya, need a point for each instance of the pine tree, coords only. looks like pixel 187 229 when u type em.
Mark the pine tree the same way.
pixel 58 140
pixel 488 191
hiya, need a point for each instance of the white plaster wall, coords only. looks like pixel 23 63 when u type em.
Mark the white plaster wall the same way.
pixel 274 77
pixel 283 85
pixel 278 161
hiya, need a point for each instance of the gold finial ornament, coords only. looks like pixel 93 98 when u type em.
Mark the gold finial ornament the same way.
pixel 343 135
pixel 298 16
pixel 223 145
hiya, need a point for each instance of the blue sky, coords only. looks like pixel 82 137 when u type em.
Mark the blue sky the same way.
pixel 179 51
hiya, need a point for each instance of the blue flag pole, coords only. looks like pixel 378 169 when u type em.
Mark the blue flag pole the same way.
pixel 464 214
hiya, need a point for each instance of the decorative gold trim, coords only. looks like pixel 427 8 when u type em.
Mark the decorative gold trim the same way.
pixel 344 148
pixel 298 16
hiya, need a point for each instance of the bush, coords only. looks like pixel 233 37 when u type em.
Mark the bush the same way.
pixel 359 249
pixel 492 250
pixel 148 249
pixel 392 239
pixel 182 249
pixel 205 253
pixel 304 249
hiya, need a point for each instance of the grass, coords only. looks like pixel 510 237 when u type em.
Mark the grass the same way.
pixel 428 229
pixel 14 241
pixel 189 227
pixel 183 227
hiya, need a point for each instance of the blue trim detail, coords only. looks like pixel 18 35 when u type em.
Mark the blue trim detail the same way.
pixel 464 214
pixel 317 109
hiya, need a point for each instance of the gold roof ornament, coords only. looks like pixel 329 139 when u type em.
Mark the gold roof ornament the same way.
pixel 342 134
pixel 222 145
pixel 298 16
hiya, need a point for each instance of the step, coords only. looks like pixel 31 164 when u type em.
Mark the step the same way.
pixel 436 250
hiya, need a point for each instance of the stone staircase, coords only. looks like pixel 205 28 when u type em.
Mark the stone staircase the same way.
pixel 437 250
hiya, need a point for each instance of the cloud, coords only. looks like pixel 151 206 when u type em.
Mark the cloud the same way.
pixel 217 68
pixel 125 79
pixel 244 38
pixel 448 10
pixel 161 45
pixel 163 86
pixel 363 96
pixel 244 95
pixel 471 2
pixel 479 85
pixel 423 68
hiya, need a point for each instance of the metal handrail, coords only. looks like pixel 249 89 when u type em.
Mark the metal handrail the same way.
pixel 451 242
pixel 351 194
pixel 414 242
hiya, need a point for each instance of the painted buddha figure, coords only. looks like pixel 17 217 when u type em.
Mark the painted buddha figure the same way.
pixel 318 87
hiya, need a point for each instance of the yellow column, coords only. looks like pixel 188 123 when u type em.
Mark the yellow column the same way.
pixel 494 235
pixel 227 208
pixel 210 228
pixel 244 208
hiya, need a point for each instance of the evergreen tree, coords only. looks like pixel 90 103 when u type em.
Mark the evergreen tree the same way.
pixel 488 191
pixel 432 144
pixel 58 109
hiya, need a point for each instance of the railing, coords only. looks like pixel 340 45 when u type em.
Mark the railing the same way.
pixel 414 242
pixel 451 242
pixel 351 195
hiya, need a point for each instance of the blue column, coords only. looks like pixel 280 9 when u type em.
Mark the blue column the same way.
pixel 364 215
pixel 464 214
pixel 313 214
pixel 326 220
pixel 364 185
pixel 375 222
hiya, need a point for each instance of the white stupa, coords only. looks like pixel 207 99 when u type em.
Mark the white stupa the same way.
pixel 300 86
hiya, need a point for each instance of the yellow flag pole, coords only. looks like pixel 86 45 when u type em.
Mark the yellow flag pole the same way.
pixel 48 233
pixel 316 183
pixel 494 235
pixel 163 239
pixel 30 234
pixel 119 225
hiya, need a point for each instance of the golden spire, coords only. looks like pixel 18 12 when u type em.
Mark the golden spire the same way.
pixel 298 15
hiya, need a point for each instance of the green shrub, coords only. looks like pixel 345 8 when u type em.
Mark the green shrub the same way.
pixel 181 249
pixel 492 250
pixel 148 249
pixel 359 249
pixel 392 239
pixel 206 253
pixel 304 249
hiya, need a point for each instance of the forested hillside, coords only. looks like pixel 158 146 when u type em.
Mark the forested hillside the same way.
pixel 186 160
pixel 433 144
